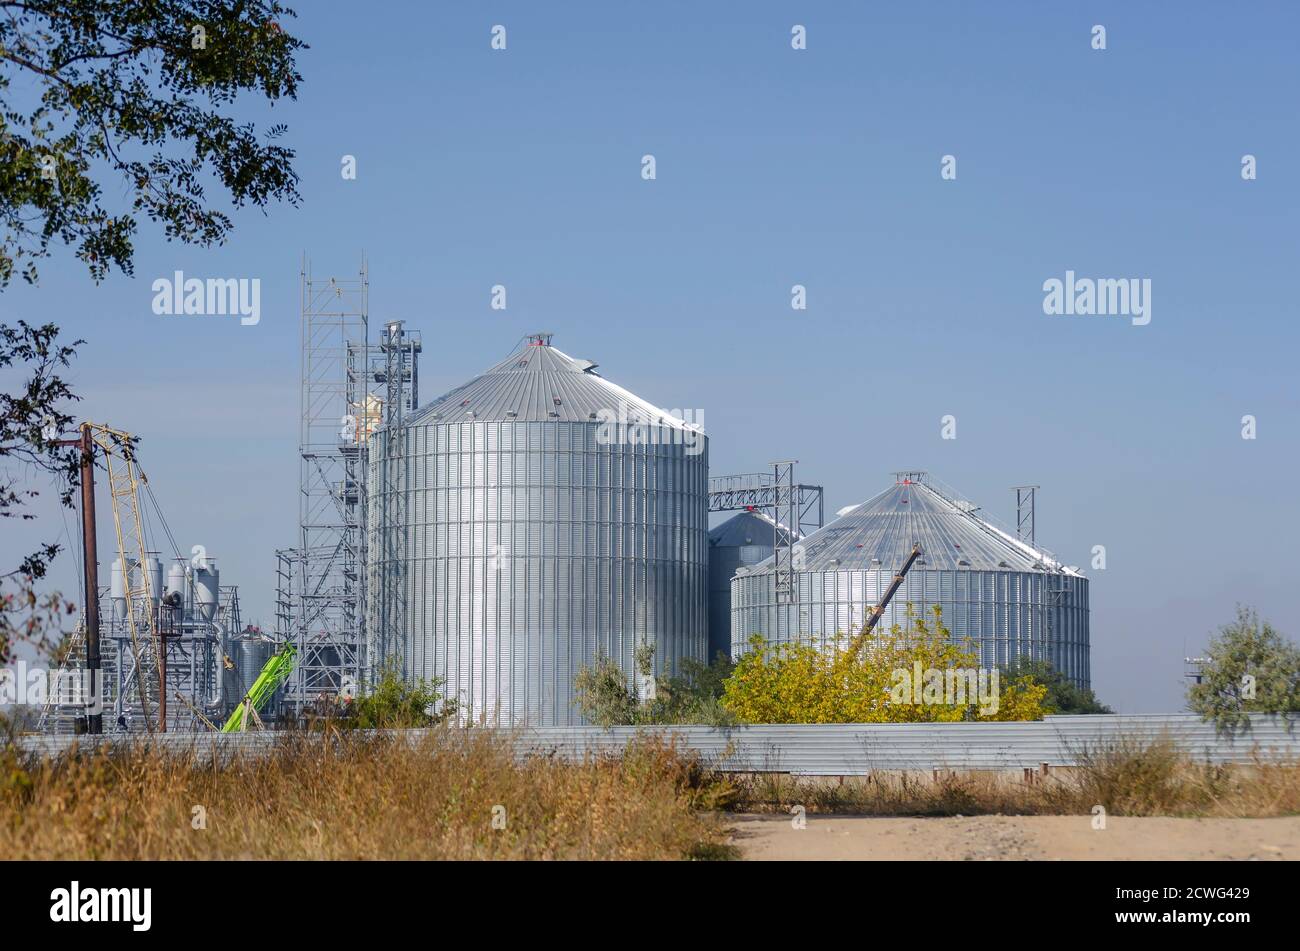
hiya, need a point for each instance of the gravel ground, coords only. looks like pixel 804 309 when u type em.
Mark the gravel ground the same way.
pixel 989 838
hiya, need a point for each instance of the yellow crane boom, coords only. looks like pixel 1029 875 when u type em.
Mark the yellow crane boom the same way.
pixel 124 480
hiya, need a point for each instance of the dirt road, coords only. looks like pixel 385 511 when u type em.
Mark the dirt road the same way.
pixel 983 838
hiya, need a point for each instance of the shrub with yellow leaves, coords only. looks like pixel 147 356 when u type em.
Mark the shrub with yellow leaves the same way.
pixel 913 673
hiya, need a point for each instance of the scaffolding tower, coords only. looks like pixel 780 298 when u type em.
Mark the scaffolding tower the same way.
pixel 323 609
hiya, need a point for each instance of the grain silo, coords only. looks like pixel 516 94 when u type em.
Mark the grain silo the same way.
pixel 745 539
pixel 1009 598
pixel 529 520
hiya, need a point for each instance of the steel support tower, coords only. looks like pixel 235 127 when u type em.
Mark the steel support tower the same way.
pixel 395 367
pixel 1025 499
pixel 799 509
pixel 757 490
pixel 785 513
pixel 325 606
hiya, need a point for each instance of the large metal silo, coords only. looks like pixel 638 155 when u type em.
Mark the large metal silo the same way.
pixel 1008 598
pixel 745 539
pixel 527 521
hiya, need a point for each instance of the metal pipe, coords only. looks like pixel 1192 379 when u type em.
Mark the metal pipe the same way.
pixel 218 686
pixel 162 683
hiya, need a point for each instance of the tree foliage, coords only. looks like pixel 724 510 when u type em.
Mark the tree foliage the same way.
pixel 136 92
pixel 602 695
pixel 801 682
pixel 32 619
pixel 810 683
pixel 1063 695
pixel 693 695
pixel 1250 668
pixel 396 704
pixel 32 417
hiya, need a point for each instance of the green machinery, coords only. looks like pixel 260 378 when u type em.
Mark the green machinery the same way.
pixel 273 675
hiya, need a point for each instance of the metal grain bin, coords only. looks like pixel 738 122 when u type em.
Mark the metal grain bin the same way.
pixel 745 539
pixel 528 520
pixel 1010 599
pixel 249 653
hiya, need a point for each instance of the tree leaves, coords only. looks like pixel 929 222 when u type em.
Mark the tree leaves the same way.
pixel 30 420
pixel 803 682
pixel 1250 668
pixel 131 91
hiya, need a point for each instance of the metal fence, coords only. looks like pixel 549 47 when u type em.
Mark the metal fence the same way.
pixel 847 749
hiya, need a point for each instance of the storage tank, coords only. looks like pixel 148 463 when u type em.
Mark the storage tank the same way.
pixel 132 574
pixel 153 569
pixel 117 590
pixel 529 520
pixel 207 589
pixel 174 591
pixel 743 540
pixel 249 652
pixel 1009 598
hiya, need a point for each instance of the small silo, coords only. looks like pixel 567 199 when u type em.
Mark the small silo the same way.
pixel 527 521
pixel 1008 598
pixel 745 539
pixel 249 653
pixel 177 582
pixel 207 588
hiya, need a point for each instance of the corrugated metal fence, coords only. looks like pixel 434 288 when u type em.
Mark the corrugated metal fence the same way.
pixel 849 749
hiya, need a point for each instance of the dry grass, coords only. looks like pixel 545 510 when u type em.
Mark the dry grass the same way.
pixel 366 796
pixel 363 797
pixel 1128 777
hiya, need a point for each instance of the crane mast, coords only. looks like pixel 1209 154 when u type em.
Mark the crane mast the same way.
pixel 878 611
pixel 124 480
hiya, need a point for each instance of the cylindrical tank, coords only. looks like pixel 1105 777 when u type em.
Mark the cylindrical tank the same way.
pixel 176 579
pixel 529 521
pixel 1009 599
pixel 744 539
pixel 249 652
pixel 117 589
pixel 174 589
pixel 207 589
pixel 253 653
pixel 154 573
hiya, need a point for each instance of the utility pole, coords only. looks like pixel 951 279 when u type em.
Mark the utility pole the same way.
pixel 90 565
pixel 94 722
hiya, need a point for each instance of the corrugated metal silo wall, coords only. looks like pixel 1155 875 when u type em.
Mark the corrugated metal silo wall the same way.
pixel 528 548
pixel 1006 614
pixel 723 562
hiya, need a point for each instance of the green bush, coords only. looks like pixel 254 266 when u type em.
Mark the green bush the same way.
pixel 694 695
pixel 395 704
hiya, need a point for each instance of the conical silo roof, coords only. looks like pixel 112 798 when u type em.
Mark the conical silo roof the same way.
pixel 879 534
pixel 750 527
pixel 541 383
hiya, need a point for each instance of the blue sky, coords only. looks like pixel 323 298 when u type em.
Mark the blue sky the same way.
pixel 778 167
